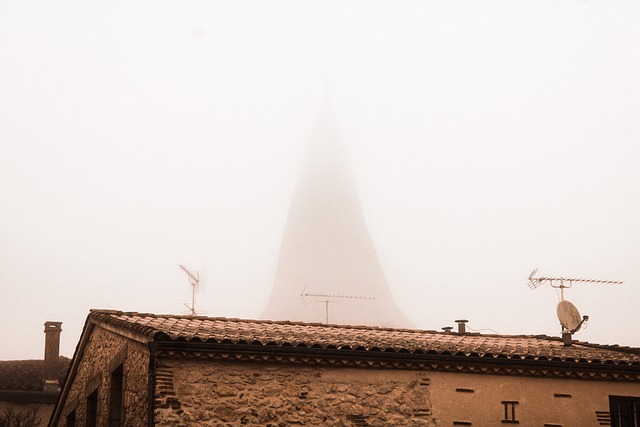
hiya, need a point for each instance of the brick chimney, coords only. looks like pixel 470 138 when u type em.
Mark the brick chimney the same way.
pixel 51 355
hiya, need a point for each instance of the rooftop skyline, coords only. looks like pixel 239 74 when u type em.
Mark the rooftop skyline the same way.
pixel 486 139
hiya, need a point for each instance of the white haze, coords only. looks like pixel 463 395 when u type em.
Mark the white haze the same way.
pixel 487 138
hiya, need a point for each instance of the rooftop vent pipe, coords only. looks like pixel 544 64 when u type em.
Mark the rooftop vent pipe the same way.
pixel 462 329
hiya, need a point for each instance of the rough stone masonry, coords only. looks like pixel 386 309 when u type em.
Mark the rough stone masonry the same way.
pixel 208 393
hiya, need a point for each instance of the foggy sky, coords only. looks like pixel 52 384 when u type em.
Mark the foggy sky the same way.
pixel 486 139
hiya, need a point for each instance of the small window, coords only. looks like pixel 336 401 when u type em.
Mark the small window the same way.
pixel 625 411
pixel 71 419
pixel 116 398
pixel 510 412
pixel 92 410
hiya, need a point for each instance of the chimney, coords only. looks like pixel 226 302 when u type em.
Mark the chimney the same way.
pixel 567 338
pixel 51 355
pixel 461 326
pixel 447 329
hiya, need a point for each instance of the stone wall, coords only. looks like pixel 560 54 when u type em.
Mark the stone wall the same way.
pixel 221 394
pixel 104 352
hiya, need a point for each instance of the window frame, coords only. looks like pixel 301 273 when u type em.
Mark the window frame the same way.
pixel 619 415
pixel 116 397
pixel 92 408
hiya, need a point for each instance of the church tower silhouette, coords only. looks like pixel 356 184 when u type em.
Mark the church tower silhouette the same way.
pixel 328 267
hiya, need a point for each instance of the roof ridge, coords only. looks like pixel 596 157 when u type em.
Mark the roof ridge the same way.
pixel 260 321
pixel 614 347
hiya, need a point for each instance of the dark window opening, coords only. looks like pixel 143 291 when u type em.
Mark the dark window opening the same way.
pixel 71 419
pixel 116 398
pixel 510 412
pixel 92 410
pixel 625 411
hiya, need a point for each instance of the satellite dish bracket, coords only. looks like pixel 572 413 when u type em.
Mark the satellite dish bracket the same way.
pixel 585 319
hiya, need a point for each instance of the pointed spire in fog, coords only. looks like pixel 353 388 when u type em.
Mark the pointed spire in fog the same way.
pixel 326 248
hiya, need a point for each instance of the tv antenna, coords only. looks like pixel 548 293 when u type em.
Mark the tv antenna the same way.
pixel 329 298
pixel 567 313
pixel 564 282
pixel 195 282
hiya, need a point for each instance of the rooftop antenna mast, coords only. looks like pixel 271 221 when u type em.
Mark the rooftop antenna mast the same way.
pixel 194 281
pixel 564 282
pixel 567 312
pixel 329 298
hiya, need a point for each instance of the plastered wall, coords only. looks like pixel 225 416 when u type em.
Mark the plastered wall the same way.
pixel 477 399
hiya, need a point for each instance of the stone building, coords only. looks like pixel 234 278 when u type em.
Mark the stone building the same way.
pixel 140 369
pixel 29 389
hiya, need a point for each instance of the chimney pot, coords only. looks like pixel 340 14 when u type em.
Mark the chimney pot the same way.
pixel 51 355
pixel 461 326
pixel 447 329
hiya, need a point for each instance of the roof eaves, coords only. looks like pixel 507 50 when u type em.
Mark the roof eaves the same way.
pixel 372 339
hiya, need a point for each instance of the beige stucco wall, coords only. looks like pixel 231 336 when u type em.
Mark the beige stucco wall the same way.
pixel 214 393
pixel 575 406
pixel 103 350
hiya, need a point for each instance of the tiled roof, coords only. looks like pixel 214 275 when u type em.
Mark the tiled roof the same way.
pixel 27 374
pixel 371 339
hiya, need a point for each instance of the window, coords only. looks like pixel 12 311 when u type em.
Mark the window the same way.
pixel 71 419
pixel 116 398
pixel 92 410
pixel 625 411
pixel 510 412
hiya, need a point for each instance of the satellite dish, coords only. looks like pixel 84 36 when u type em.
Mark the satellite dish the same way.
pixel 569 316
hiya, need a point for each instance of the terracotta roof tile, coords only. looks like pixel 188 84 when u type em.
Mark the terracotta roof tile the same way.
pixel 310 335
pixel 27 374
